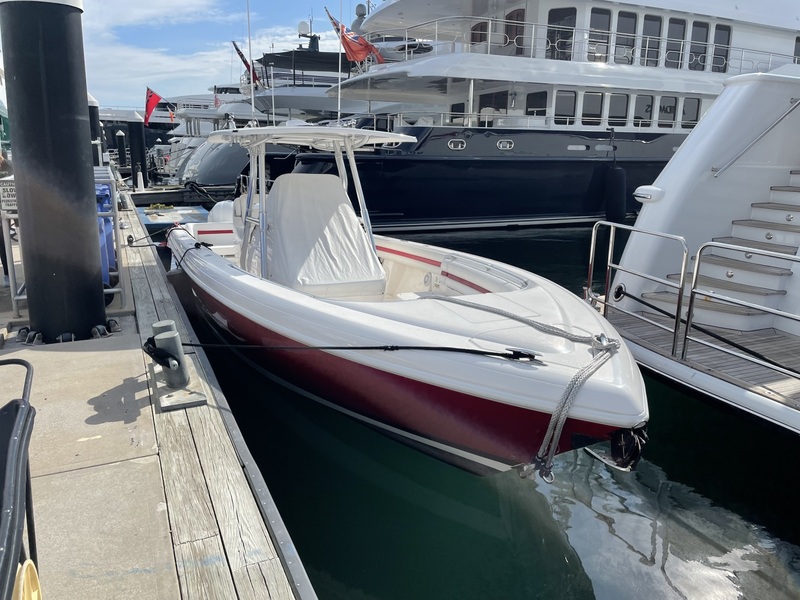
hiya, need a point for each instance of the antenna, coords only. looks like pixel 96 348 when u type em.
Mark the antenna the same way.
pixel 252 72
pixel 306 30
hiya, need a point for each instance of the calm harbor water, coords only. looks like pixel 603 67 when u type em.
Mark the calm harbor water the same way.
pixel 709 513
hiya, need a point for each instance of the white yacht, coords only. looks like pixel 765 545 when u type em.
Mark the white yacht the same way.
pixel 707 290
pixel 556 111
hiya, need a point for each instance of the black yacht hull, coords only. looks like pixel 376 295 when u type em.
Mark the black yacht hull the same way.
pixel 545 178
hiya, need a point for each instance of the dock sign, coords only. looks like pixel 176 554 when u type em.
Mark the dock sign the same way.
pixel 8 196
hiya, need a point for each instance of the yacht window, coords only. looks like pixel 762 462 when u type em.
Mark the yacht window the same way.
pixel 642 111
pixel 797 51
pixel 515 30
pixel 626 38
pixel 536 104
pixel 497 100
pixel 565 108
pixel 651 41
pixel 592 108
pixel 560 31
pixel 676 32
pixel 691 112
pixel 618 110
pixel 666 111
pixel 598 35
pixel 699 47
pixel 457 111
pixel 479 31
pixel 722 42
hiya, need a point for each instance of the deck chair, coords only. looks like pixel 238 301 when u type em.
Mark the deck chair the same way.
pixel 316 243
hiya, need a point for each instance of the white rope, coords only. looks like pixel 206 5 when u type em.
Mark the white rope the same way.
pixel 604 348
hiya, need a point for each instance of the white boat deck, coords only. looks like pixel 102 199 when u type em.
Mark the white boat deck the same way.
pixel 770 343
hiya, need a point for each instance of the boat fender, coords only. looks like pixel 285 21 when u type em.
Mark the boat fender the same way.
pixel 614 194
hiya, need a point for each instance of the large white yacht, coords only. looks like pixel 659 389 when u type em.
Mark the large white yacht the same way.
pixel 706 291
pixel 557 110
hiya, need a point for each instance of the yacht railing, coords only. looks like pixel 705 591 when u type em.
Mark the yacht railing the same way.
pixel 536 40
pixel 696 291
pixel 795 102
pixel 682 328
pixel 619 293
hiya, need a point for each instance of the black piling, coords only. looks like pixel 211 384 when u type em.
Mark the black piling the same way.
pixel 122 149
pixel 138 149
pixel 47 103
pixel 96 132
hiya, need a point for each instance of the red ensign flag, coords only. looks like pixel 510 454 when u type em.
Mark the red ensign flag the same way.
pixel 150 102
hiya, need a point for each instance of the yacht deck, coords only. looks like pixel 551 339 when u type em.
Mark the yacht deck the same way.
pixel 717 357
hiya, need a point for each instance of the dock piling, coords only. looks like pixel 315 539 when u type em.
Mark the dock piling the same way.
pixel 45 71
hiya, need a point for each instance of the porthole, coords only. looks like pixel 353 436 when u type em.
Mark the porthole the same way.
pixel 457 144
pixel 505 144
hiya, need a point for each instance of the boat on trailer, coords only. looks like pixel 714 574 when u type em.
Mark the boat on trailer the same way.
pixel 707 291
pixel 481 363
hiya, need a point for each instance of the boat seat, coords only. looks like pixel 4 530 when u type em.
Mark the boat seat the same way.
pixel 316 243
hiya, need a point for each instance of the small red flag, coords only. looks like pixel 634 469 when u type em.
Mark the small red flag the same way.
pixel 150 102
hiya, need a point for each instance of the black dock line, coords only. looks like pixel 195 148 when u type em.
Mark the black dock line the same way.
pixel 511 354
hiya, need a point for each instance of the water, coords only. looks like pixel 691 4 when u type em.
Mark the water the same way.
pixel 709 513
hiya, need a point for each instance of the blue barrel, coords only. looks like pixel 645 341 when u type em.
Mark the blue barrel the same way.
pixel 105 227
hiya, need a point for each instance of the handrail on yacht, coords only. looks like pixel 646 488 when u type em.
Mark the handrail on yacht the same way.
pixel 795 102
pixel 527 39
pixel 611 266
pixel 694 292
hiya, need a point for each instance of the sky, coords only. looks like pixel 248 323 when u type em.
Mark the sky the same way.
pixel 180 47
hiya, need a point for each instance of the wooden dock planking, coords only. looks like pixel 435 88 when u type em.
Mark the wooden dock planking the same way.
pixel 748 375
pixel 222 546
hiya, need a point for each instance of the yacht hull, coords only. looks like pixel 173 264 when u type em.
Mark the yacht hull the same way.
pixel 539 182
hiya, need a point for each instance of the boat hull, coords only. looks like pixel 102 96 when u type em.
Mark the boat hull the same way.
pixel 541 181
pixel 473 432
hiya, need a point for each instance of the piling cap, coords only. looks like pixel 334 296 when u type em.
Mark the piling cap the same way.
pixel 91 99
pixel 73 3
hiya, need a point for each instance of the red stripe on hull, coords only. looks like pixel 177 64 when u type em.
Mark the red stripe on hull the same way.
pixel 501 432
pixel 416 257
pixel 465 282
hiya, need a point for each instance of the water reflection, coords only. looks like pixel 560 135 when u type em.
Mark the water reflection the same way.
pixel 709 513
pixel 642 535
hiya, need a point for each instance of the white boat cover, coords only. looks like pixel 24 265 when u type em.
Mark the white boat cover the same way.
pixel 315 242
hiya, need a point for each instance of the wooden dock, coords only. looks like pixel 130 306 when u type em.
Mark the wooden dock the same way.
pixel 132 501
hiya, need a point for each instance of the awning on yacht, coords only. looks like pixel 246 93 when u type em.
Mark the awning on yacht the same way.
pixel 434 78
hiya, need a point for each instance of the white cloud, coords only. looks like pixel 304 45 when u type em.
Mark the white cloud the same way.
pixel 118 72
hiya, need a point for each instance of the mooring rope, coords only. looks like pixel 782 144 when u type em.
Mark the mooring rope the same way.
pixel 603 347
pixel 509 353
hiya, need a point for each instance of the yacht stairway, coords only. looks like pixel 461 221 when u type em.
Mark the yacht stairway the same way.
pixel 731 325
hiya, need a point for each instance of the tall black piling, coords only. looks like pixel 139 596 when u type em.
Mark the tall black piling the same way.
pixel 96 131
pixel 138 148
pixel 47 103
pixel 122 149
